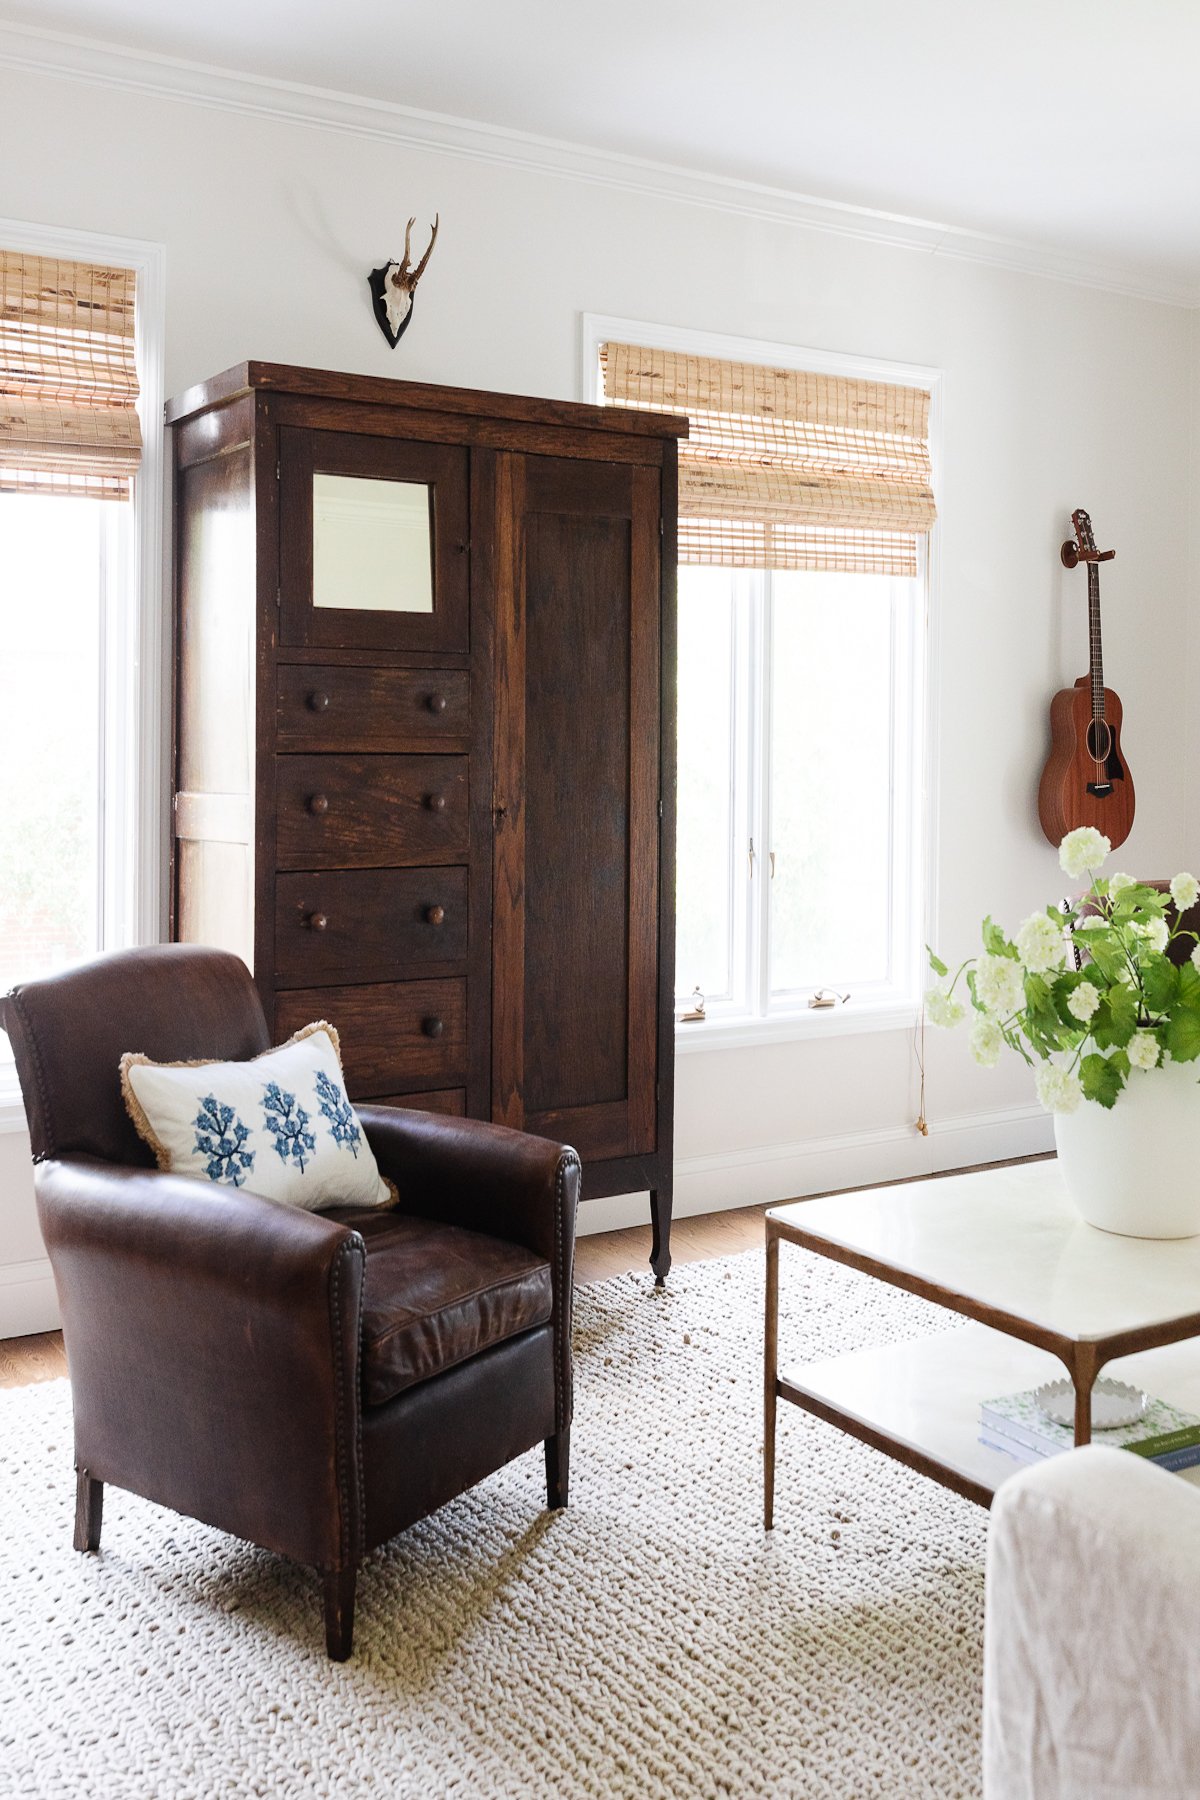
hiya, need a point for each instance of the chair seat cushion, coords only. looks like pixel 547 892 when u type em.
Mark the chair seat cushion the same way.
pixel 435 1295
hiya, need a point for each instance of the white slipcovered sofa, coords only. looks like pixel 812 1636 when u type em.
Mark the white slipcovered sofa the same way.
pixel 1092 1634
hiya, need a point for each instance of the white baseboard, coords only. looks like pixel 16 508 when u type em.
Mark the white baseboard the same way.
pixel 28 1301
pixel 767 1173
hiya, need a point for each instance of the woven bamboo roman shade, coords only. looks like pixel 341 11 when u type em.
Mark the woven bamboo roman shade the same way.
pixel 785 469
pixel 68 381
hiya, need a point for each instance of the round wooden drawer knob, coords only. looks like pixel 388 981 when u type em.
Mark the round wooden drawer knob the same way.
pixel 318 803
pixel 433 1028
pixel 317 701
pixel 317 921
pixel 436 802
pixel 436 702
pixel 435 914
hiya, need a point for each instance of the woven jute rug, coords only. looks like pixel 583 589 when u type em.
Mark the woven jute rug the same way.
pixel 651 1641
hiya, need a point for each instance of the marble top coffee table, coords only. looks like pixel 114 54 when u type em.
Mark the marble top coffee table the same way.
pixel 1006 1250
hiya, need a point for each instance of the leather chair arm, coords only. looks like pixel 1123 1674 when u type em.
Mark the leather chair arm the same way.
pixel 488 1178
pixel 483 1177
pixel 213 1339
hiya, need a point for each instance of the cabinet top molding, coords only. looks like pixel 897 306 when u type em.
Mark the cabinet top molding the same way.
pixel 375 390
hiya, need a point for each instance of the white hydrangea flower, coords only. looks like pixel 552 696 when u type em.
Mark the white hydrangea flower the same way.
pixel 942 1009
pixel 1039 942
pixel 987 1041
pixel 1083 1001
pixel 1185 891
pixel 1058 1089
pixel 1118 882
pixel 1196 956
pixel 1154 932
pixel 999 984
pixel 1081 852
pixel 1143 1050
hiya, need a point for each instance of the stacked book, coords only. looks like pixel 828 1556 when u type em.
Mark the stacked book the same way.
pixel 1017 1425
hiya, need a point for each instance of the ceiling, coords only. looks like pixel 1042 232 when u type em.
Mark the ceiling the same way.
pixel 1068 125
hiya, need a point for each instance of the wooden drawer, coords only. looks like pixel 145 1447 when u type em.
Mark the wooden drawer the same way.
pixel 322 708
pixel 397 1037
pixel 370 812
pixel 369 925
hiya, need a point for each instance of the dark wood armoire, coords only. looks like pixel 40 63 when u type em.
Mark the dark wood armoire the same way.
pixel 425 742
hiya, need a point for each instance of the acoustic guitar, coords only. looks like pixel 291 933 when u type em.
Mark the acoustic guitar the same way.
pixel 1086 780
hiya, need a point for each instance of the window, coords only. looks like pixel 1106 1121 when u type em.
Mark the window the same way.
pixel 79 604
pixel 799 763
pixel 805 503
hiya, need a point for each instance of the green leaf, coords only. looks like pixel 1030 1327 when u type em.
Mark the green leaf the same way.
pixel 994 940
pixel 1042 1025
pixel 1115 1019
pixel 1181 1033
pixel 1101 1079
pixel 936 963
pixel 1160 983
pixel 1104 949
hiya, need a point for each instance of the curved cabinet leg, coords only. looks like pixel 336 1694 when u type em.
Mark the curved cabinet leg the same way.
pixel 660 1220
pixel 558 1466
pixel 89 1510
pixel 340 1585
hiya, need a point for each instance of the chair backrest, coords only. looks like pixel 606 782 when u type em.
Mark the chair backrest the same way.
pixel 175 1002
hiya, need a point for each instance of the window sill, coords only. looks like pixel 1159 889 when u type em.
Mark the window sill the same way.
pixel 790 1028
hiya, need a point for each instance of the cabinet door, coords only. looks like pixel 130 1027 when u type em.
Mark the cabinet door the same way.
pixel 576 896
pixel 373 550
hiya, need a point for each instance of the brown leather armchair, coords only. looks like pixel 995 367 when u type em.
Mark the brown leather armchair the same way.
pixel 314 1382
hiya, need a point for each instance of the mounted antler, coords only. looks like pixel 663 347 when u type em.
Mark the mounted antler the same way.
pixel 394 285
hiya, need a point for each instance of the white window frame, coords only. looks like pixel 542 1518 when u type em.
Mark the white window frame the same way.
pixel 916 659
pixel 134 716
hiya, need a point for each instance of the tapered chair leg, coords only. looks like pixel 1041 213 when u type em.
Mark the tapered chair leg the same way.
pixel 558 1469
pixel 340 1585
pixel 89 1510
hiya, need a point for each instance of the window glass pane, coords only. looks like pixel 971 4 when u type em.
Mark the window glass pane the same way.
pixel 831 769
pixel 51 569
pixel 703 952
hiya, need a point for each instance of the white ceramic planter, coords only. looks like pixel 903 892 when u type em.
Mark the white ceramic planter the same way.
pixel 1135 1169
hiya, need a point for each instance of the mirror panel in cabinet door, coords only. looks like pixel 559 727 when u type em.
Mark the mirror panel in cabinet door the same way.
pixel 372 544
pixel 374 549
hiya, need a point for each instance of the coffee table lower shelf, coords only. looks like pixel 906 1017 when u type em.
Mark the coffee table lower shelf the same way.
pixel 919 1401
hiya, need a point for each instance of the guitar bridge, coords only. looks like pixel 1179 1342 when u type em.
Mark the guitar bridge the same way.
pixel 1101 789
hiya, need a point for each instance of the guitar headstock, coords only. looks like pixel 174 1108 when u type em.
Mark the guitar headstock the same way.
pixel 1082 547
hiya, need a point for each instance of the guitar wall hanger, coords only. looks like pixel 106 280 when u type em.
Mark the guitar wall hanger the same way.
pixel 1072 555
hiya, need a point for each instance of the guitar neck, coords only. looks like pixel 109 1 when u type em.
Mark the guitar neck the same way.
pixel 1096 667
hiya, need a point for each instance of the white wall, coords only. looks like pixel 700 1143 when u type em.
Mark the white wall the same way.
pixel 1055 396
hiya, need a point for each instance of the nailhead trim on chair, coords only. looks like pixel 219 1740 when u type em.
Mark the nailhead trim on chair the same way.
pixel 15 1001
pixel 353 1247
pixel 561 1332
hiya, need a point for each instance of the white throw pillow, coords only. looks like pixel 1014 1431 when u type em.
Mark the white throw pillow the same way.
pixel 280 1125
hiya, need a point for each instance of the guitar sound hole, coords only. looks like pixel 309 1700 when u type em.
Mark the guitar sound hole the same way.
pixel 1099 740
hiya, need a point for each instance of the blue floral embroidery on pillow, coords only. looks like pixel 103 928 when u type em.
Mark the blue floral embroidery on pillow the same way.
pixel 227 1160
pixel 286 1122
pixel 343 1127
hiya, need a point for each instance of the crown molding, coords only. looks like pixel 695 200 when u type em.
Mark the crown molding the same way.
pixel 39 51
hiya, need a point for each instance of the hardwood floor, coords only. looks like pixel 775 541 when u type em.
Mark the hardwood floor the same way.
pixel 27 1359
pixel 41 1358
